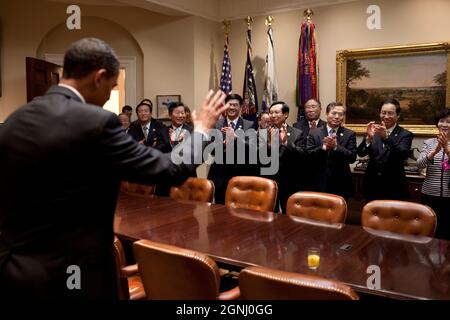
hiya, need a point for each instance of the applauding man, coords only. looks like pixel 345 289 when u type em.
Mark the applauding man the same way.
pixel 388 146
pixel 332 149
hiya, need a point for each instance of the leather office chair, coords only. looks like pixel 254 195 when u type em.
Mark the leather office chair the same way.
pixel 254 193
pixel 171 273
pixel 259 283
pixel 129 281
pixel 318 206
pixel 196 189
pixel 399 217
pixel 137 188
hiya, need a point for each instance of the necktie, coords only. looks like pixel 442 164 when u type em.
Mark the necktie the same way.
pixel 312 125
pixel 232 125
pixel 145 129
pixel 331 132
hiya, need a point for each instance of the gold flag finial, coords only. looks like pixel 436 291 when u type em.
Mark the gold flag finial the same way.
pixel 249 21
pixel 226 25
pixel 269 21
pixel 308 13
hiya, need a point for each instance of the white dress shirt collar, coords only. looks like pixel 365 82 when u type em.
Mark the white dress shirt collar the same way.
pixel 73 90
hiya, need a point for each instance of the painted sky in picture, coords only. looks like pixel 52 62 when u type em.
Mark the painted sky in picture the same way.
pixel 409 71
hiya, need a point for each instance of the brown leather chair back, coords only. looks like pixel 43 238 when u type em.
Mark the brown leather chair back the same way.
pixel 399 217
pixel 258 283
pixel 319 206
pixel 196 189
pixel 136 188
pixel 169 272
pixel 254 193
pixel 129 283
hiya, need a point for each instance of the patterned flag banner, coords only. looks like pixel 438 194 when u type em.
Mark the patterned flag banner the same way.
pixel 307 68
pixel 225 78
pixel 270 80
pixel 249 95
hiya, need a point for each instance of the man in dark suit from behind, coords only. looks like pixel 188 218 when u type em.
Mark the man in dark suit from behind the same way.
pixel 221 173
pixel 332 148
pixel 170 136
pixel 388 146
pixel 63 158
pixel 145 129
pixel 292 154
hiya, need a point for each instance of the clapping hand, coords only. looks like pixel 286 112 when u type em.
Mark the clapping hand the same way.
pixel 329 142
pixel 381 130
pixel 229 134
pixel 370 131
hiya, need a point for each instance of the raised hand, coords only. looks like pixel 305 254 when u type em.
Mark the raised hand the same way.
pixel 212 108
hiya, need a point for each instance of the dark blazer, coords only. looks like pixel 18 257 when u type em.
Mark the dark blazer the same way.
pixel 163 138
pixel 303 125
pixel 136 132
pixel 219 173
pixel 385 174
pixel 163 144
pixel 64 161
pixel 291 166
pixel 330 171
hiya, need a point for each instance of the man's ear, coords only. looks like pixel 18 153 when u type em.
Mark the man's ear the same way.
pixel 99 75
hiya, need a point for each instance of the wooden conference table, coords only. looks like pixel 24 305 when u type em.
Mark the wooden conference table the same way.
pixel 415 269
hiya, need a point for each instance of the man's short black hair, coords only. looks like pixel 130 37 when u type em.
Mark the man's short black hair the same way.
pixel 333 104
pixel 144 104
pixel 394 102
pixel 173 104
pixel 444 113
pixel 147 100
pixel 127 108
pixel 315 100
pixel 87 55
pixel 284 106
pixel 234 96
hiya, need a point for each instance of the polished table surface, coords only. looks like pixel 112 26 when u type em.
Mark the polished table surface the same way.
pixel 411 267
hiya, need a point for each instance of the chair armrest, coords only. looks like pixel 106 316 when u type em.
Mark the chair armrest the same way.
pixel 130 270
pixel 232 294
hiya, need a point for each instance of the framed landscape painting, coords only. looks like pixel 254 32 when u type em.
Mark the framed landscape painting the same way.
pixel 417 76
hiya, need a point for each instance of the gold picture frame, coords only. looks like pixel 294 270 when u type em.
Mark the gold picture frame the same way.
pixel 399 71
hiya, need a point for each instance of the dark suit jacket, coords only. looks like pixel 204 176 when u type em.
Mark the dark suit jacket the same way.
pixel 62 164
pixel 331 169
pixel 291 166
pixel 163 144
pixel 303 125
pixel 385 174
pixel 220 174
pixel 136 132
pixel 163 138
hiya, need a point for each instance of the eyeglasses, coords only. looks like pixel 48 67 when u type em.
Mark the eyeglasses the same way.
pixel 387 113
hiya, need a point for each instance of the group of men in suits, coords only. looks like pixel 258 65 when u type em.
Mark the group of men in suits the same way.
pixel 316 155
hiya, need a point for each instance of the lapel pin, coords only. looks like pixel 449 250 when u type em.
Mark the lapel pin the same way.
pixel 342 134
pixel 288 134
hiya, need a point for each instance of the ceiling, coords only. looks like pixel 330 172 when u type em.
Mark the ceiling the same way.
pixel 216 10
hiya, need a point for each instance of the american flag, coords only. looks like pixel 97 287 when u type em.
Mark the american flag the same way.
pixel 225 78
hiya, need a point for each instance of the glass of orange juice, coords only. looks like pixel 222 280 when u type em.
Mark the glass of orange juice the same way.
pixel 313 258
